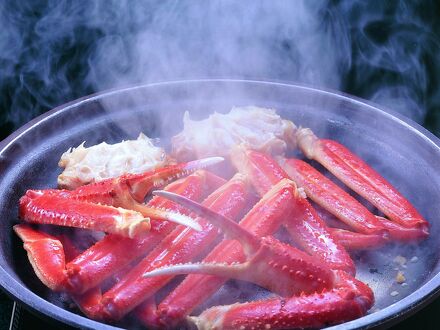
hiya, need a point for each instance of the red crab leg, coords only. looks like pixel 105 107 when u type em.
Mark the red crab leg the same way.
pixel 310 232
pixel 78 208
pixel 397 232
pixel 181 245
pixel 129 190
pixel 37 207
pixel 356 241
pixel 46 255
pixel 280 268
pixel 306 228
pixel 264 173
pixel 146 312
pixel 349 300
pixel 331 197
pixel 264 219
pixel 110 254
pixel 402 233
pixel 360 177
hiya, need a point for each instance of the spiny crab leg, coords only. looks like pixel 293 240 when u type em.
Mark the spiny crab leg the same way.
pixel 305 226
pixel 282 269
pixel 40 208
pixel 331 197
pixel 122 213
pixel 46 255
pixel 263 219
pixel 129 190
pixel 350 299
pixel 361 178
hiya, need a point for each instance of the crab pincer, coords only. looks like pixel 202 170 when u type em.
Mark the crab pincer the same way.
pixel 113 205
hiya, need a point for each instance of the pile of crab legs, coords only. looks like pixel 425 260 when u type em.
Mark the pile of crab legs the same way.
pixel 312 278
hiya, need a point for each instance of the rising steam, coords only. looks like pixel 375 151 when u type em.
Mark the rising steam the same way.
pixel 55 51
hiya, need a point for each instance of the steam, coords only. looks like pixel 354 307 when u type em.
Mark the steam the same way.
pixel 221 39
pixel 55 51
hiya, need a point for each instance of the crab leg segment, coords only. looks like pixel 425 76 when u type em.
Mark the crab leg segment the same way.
pixel 37 207
pixel 305 226
pixel 349 300
pixel 129 190
pixel 46 254
pixel 360 177
pixel 356 241
pixel 331 197
pixel 181 245
pixel 78 209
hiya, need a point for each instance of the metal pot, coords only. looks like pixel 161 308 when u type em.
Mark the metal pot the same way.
pixel 401 150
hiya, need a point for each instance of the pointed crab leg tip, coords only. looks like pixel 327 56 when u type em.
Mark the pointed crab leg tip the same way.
pixel 216 269
pixel 182 219
pixel 168 270
pixel 186 221
pixel 202 163
pixel 168 195
pixel 228 226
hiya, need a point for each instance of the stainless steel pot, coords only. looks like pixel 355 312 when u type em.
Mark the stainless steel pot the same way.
pixel 401 150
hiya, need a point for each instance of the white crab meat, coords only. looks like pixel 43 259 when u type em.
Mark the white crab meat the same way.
pixel 257 128
pixel 86 165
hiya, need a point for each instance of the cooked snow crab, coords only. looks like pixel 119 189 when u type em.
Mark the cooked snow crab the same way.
pixel 311 275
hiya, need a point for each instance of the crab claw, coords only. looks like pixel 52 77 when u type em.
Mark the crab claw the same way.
pixel 46 208
pixel 113 205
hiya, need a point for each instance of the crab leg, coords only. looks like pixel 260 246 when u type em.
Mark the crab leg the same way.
pixel 78 208
pixel 46 255
pixel 37 207
pixel 109 255
pixel 88 269
pixel 331 197
pixel 263 219
pixel 356 241
pixel 305 226
pixel 282 269
pixel 347 301
pixel 361 178
pixel 181 245
pixel 129 190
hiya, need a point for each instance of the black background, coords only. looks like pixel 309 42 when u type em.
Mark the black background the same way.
pixel 24 95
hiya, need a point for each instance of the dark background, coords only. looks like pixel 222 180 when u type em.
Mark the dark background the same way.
pixel 52 52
